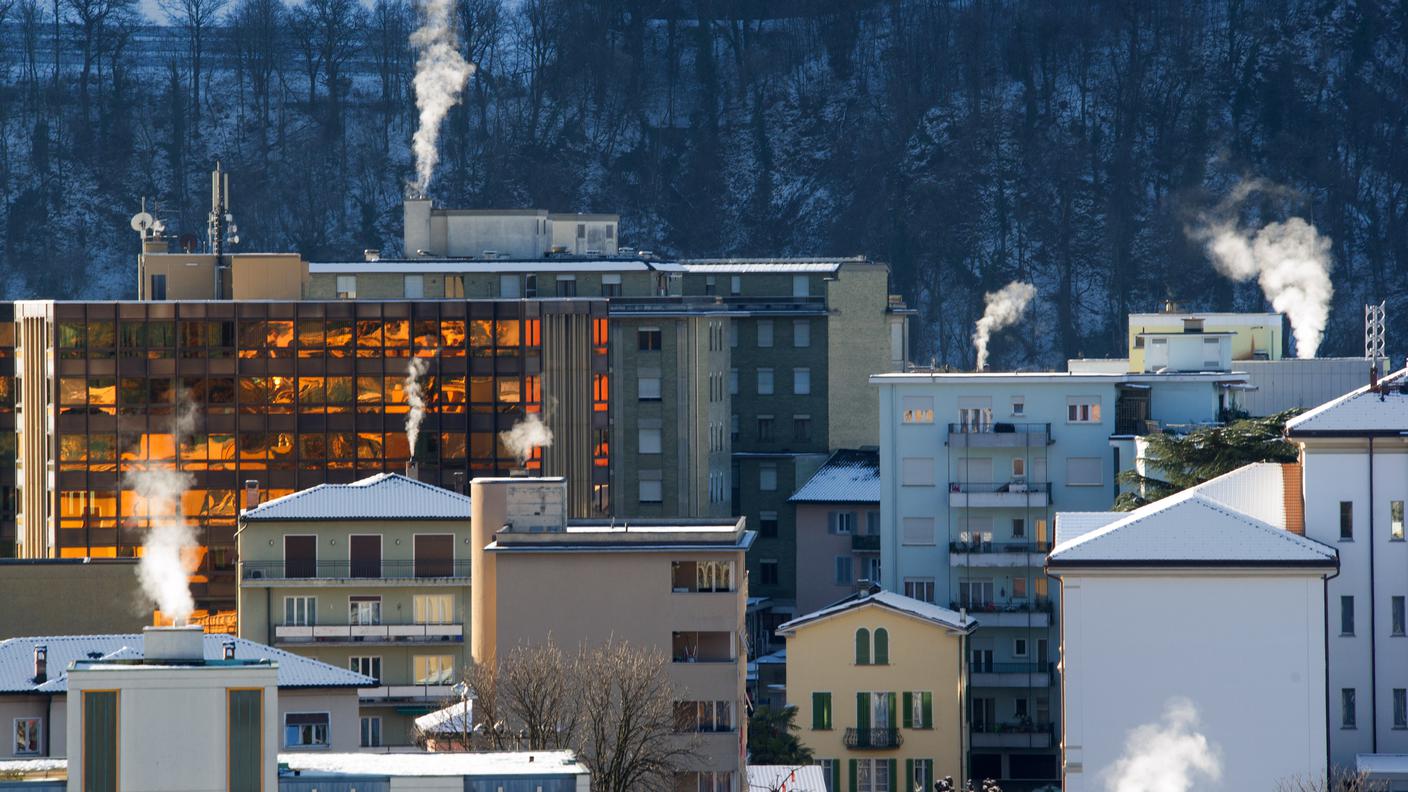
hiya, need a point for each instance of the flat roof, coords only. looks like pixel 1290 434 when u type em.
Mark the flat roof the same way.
pixel 438 764
pixel 466 265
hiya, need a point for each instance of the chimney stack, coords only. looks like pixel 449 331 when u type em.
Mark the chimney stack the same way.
pixel 412 472
pixel 174 644
pixel 229 650
pixel 41 663
pixel 251 493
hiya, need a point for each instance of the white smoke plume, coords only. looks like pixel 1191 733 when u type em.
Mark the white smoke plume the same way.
pixel 170 545
pixel 415 397
pixel 526 435
pixel 1004 308
pixel 1291 261
pixel 441 74
pixel 1168 755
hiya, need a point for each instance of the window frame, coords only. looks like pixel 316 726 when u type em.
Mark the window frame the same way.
pixel 326 730
pixel 36 724
pixel 1083 409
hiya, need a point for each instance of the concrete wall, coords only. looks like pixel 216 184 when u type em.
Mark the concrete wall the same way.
pixel 1259 691
pixel 344 722
pixel 268 276
pixel 858 345
pixel 111 597
pixel 13 708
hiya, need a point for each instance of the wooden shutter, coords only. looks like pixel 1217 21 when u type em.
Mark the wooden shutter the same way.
pixel 246 737
pixel 300 556
pixel 862 710
pixel 862 646
pixel 894 716
pixel 100 719
pixel 882 646
pixel 836 776
pixel 908 781
pixel 435 555
pixel 821 711
pixel 908 709
pixel 926 704
pixel 893 768
pixel 852 771
pixel 365 553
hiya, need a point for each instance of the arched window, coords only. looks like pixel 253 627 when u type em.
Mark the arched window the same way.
pixel 882 646
pixel 862 646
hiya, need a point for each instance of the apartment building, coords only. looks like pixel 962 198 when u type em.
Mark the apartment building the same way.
pixel 678 587
pixel 372 576
pixel 504 233
pixel 879 682
pixel 838 529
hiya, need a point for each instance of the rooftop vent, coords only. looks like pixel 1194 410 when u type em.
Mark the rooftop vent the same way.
pixel 1193 324
pixel 184 644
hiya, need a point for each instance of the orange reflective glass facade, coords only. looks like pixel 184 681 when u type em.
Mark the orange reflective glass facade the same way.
pixel 289 394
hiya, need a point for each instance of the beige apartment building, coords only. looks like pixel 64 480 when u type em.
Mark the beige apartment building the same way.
pixel 674 586
pixel 371 576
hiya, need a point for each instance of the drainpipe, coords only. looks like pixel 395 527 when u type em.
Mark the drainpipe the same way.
pixel 1325 616
pixel 1373 627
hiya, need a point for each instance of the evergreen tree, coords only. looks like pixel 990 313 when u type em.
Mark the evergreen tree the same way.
pixel 772 738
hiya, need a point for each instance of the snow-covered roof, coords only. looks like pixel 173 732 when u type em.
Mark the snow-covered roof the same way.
pixel 1190 529
pixel 446 764
pixel 1378 766
pixel 786 778
pixel 889 600
pixel 457 718
pixel 1070 525
pixel 385 496
pixel 766 265
pixel 1361 412
pixel 17 661
pixel 848 476
pixel 429 266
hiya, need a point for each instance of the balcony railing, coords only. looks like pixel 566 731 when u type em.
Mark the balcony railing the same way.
pixel 369 633
pixel 355 570
pixel 1015 494
pixel 865 543
pixel 431 693
pixel 999 547
pixel 999 435
pixel 1014 727
pixel 874 739
pixel 1010 668
pixel 1034 605
pixel 1014 487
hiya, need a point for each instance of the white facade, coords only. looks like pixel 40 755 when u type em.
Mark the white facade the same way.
pixel 519 234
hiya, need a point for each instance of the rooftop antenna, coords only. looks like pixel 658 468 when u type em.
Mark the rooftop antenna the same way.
pixel 1374 339
pixel 221 228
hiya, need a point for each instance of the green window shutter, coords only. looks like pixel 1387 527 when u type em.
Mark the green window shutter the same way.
pixel 862 710
pixel 882 646
pixel 926 703
pixel 836 776
pixel 100 717
pixel 862 646
pixel 907 783
pixel 821 710
pixel 852 771
pixel 893 768
pixel 908 709
pixel 246 736
pixel 894 716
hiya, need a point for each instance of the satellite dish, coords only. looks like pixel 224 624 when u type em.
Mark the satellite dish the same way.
pixel 141 222
pixel 188 243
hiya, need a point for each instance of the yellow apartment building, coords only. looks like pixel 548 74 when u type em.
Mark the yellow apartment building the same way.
pixel 878 683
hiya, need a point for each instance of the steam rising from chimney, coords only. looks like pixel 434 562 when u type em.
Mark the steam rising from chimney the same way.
pixel 1291 261
pixel 441 74
pixel 170 544
pixel 416 399
pixel 1165 756
pixel 1004 308
pixel 526 435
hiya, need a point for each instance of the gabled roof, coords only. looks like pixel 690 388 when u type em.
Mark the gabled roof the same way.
pixel 17 661
pixel 891 601
pixel 848 476
pixel 1359 413
pixel 385 496
pixel 1190 529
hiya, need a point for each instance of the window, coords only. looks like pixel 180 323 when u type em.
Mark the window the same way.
pixel 1395 520
pixel 801 286
pixel 921 589
pixel 648 339
pixel 371 732
pixel 1212 352
pixel 831 774
pixel 801 333
pixel 1083 409
pixel 882 646
pixel 434 608
pixel 765 424
pixel 434 669
pixel 767 524
pixel 1083 472
pixel 434 555
pixel 28 735
pixel 735 285
pixel 1019 528
pixel 708 781
pixel 1019 406
pixel 1019 647
pixel 610 285
pixel 975 592
pixel 1346 615
pixel 244 713
pixel 764 333
pixel 704 716
pixel 454 286
pixel 767 477
pixel 1348 717
pixel 581 230
pixel 530 286
pixel 159 287
pixel 652 487
pixel 841 522
pixel 347 287
pixel 922 776
pixel 918 709
pixel 733 382
pixel 648 385
pixel 301 611
pixel 917 531
pixel 918 409
pixel 764 381
pixel 710 284
pixel 768 571
pixel 733 335
pixel 1400 708
pixel 1019 588
pixel 366 666
pixel 821 711
pixel 845 572
pixel 872 569
pixel 100 735
pixel 1398 618
pixel 508 287
pixel 862 646
pixel 801 428
pixel 648 438
pixel 917 471
pixel 1346 520
pixel 872 775
pixel 801 381
pixel 364 610
pixel 566 285
pixel 414 287
pixel 733 427
pixel 305 729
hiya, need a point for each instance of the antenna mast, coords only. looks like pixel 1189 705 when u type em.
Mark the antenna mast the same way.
pixel 1374 331
pixel 221 228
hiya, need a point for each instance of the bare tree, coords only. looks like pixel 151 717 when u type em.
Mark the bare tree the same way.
pixel 257 24
pixel 540 689
pixel 92 18
pixel 196 18
pixel 1340 780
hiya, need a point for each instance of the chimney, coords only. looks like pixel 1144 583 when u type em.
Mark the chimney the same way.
pixel 41 664
pixel 251 493
pixel 229 650
pixel 174 644
pixel 412 471
pixel 371 254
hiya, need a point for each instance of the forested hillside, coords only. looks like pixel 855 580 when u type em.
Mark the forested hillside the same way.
pixel 967 143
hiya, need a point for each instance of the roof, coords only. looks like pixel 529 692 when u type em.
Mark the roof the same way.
pixel 17 661
pixel 466 265
pixel 786 778
pixel 385 496
pixel 1190 529
pixel 889 600
pixel 1360 413
pixel 454 719
pixel 848 476
pixel 743 266
pixel 517 763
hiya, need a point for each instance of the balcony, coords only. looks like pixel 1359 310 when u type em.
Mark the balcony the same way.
pixel 998 554
pixel 1019 675
pixel 865 544
pixel 418 693
pixel 1027 613
pixel 999 435
pixel 368 633
pixel 1006 494
pixel 873 739
pixel 702 647
pixel 1010 735
pixel 426 570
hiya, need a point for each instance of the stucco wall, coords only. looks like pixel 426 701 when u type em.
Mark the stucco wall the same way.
pixel 344 722
pixel 110 597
